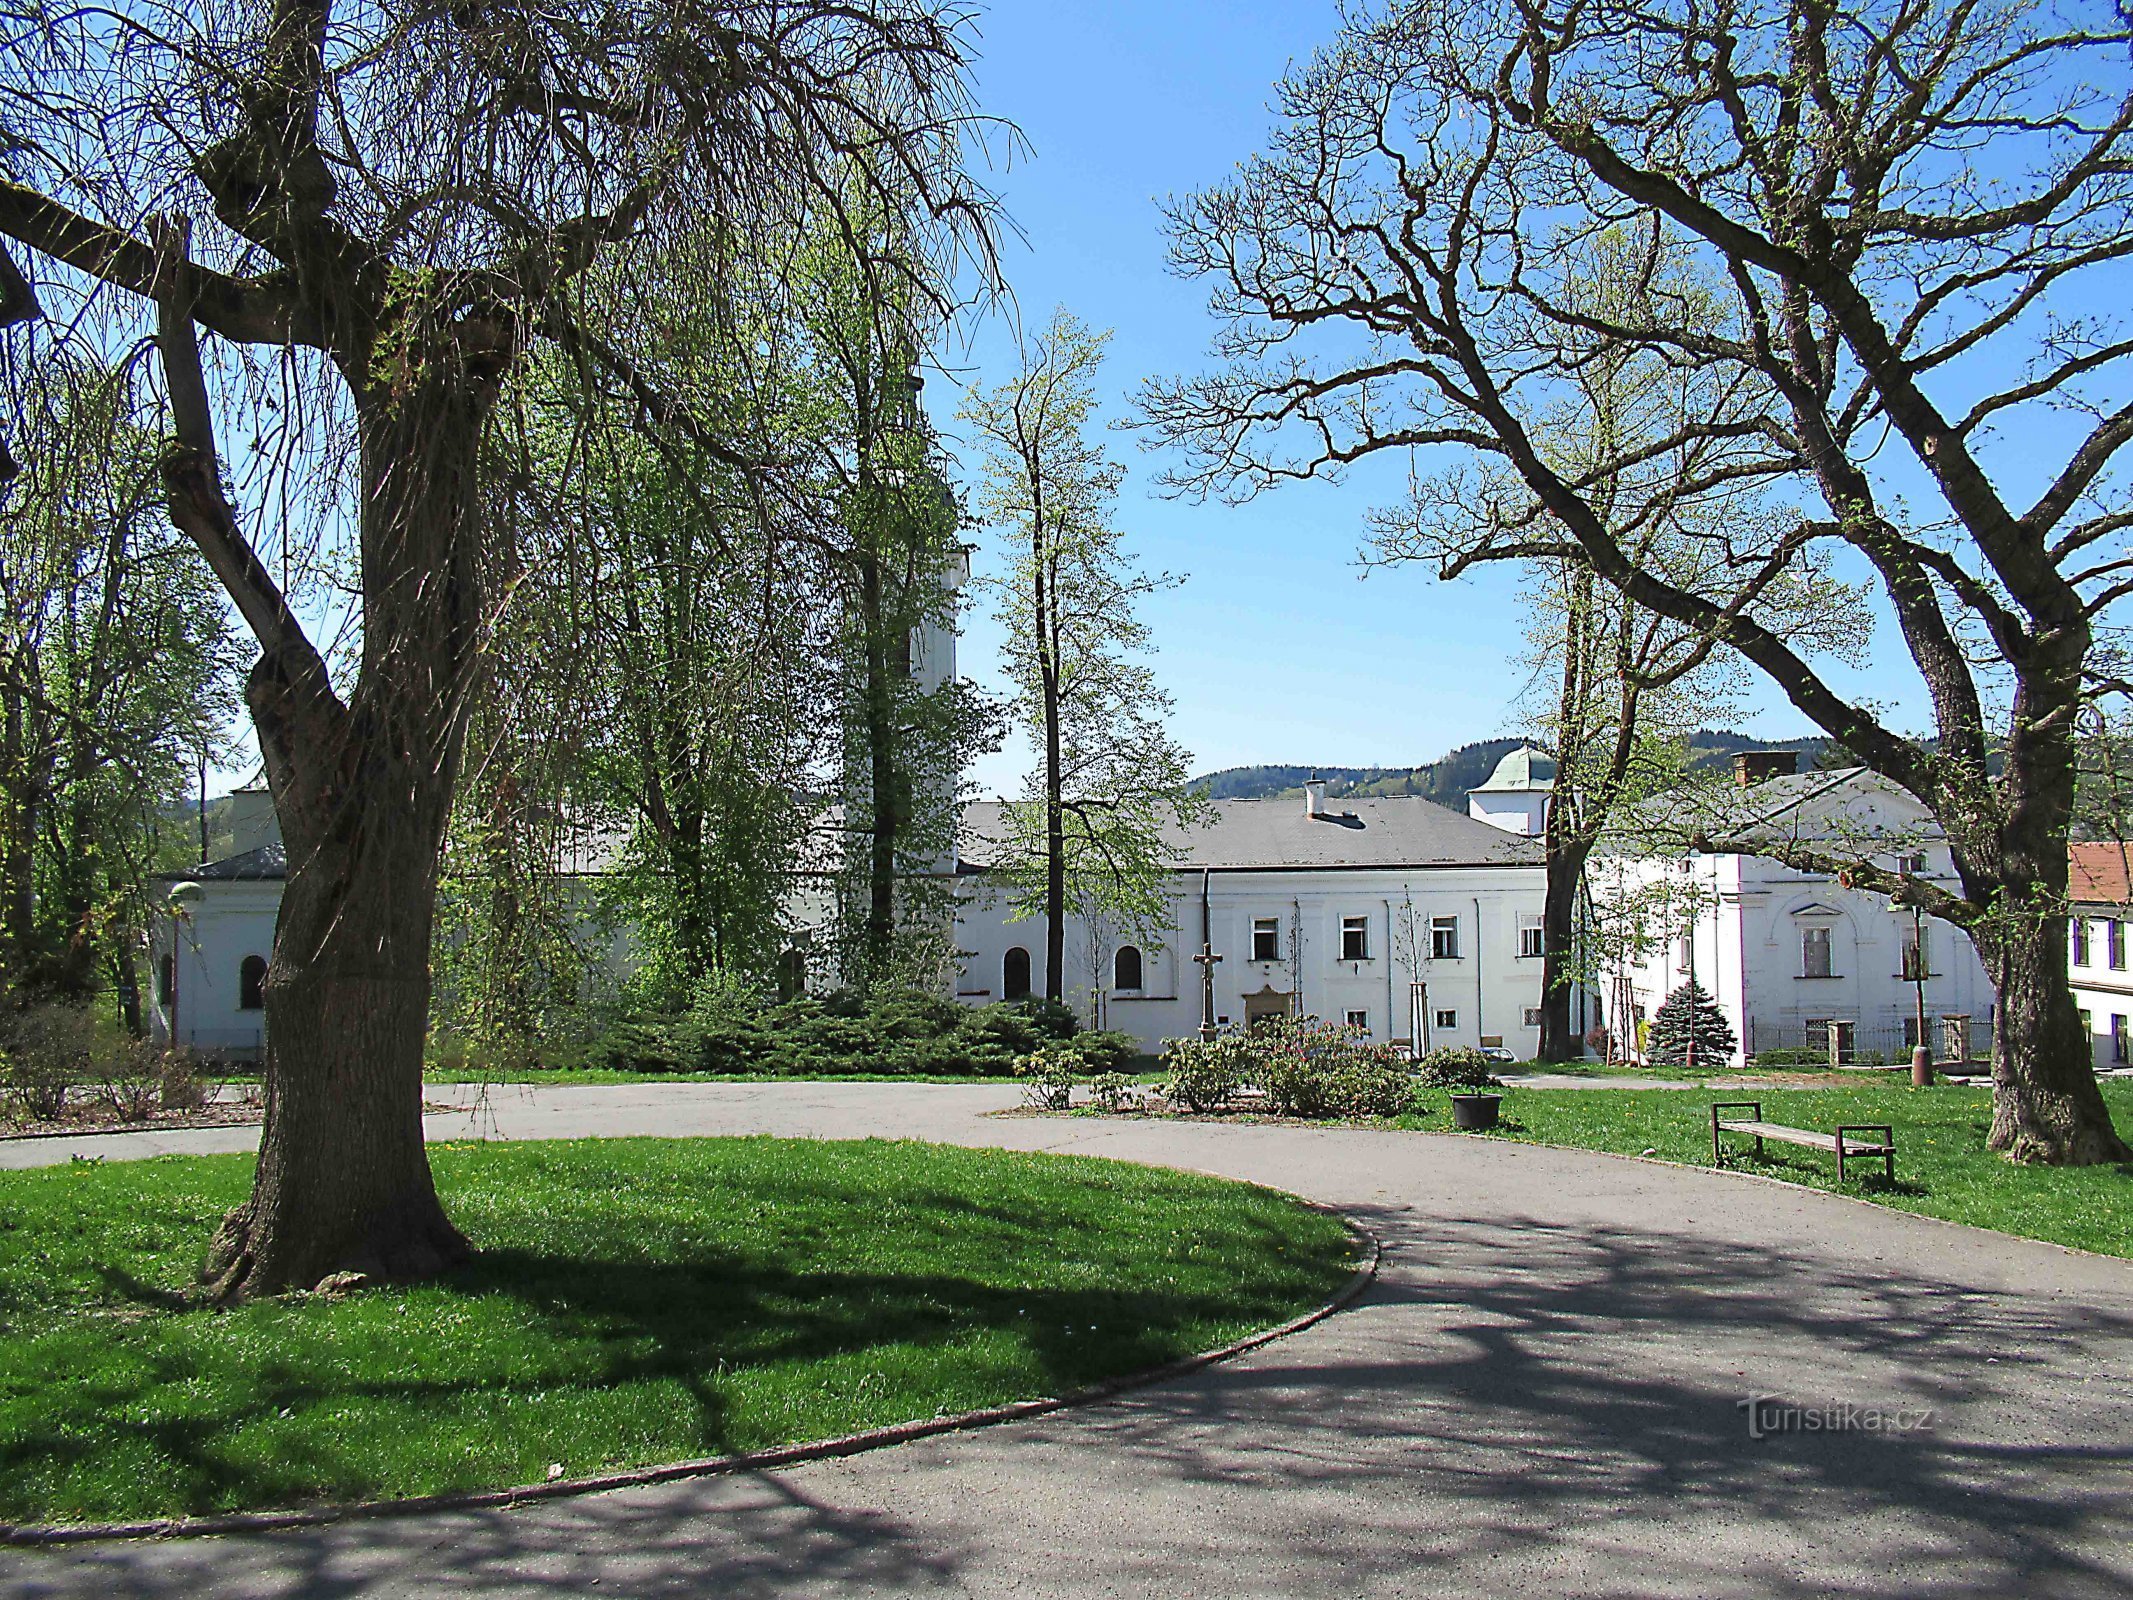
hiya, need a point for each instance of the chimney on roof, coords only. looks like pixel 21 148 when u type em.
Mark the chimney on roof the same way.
pixel 1753 766
pixel 253 821
pixel 1314 796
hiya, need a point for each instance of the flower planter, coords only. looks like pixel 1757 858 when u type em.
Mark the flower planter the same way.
pixel 1472 1113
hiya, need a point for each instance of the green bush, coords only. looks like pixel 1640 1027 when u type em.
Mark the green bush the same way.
pixel 1200 1074
pixel 1049 1076
pixel 729 1029
pixel 1456 1067
pixel 1108 1091
pixel 1311 1068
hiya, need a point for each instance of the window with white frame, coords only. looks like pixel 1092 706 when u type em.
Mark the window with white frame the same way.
pixel 1266 938
pixel 1359 1022
pixel 2118 1039
pixel 1814 953
pixel 2114 944
pixel 1446 1018
pixel 1533 1016
pixel 2081 941
pixel 1355 938
pixel 1444 938
pixel 1532 939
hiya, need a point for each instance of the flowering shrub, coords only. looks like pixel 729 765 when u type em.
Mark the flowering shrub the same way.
pixel 1457 1067
pixel 1049 1075
pixel 1310 1068
pixel 1203 1073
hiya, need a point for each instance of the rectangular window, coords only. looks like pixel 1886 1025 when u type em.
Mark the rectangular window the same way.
pixel 1685 956
pixel 1266 938
pixel 1533 1016
pixel 1447 1019
pixel 2114 944
pixel 2081 941
pixel 2118 1039
pixel 1814 953
pixel 1359 1022
pixel 1444 938
pixel 1532 939
pixel 1355 938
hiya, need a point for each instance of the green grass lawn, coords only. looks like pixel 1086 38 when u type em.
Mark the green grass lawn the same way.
pixel 1942 1166
pixel 633 1301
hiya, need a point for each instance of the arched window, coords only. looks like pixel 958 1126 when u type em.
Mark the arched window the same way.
pixel 1014 974
pixel 792 974
pixel 1126 967
pixel 252 984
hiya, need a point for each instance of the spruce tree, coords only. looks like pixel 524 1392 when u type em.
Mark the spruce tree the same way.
pixel 1689 1014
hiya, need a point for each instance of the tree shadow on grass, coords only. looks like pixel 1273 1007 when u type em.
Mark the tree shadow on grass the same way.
pixel 1522 1405
pixel 691 1358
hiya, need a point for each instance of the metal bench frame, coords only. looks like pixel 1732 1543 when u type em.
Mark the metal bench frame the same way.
pixel 1884 1150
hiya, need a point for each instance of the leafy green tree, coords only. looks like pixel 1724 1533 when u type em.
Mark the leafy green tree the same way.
pixel 1689 1030
pixel 118 672
pixel 1109 781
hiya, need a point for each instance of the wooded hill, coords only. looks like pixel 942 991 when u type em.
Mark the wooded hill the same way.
pixel 1447 779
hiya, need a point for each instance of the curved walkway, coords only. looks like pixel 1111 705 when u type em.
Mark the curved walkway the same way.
pixel 1540 1397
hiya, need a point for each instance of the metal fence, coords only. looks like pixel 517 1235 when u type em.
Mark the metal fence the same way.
pixel 1885 1042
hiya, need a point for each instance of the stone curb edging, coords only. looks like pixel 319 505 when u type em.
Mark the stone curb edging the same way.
pixel 37 1534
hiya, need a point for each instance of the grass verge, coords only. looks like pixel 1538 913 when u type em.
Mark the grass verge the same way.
pixel 1942 1166
pixel 633 1301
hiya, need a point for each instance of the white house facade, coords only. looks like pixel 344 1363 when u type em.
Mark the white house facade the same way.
pixel 208 952
pixel 1786 953
pixel 1397 916
pixel 2099 932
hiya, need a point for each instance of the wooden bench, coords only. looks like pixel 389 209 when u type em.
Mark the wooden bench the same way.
pixel 1845 1147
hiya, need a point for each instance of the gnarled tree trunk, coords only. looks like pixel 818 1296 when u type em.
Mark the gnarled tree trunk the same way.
pixel 364 794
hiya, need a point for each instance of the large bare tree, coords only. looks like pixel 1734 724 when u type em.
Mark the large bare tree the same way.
pixel 1916 211
pixel 397 201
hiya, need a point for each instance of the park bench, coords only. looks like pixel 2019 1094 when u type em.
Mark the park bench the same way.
pixel 1842 1143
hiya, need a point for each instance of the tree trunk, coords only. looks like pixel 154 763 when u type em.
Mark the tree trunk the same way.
pixel 364 793
pixel 2046 1106
pixel 1566 855
pixel 343 1184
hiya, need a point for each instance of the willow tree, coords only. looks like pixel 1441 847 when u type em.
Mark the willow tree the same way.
pixel 1916 215
pixel 393 205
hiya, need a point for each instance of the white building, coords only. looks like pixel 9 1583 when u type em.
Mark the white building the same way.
pixel 1787 953
pixel 1385 914
pixel 2097 935
pixel 209 955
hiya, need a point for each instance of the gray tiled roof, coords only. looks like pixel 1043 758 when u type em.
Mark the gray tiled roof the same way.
pixel 267 862
pixel 1272 835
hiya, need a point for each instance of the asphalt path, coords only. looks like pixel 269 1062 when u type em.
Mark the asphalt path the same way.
pixel 1542 1395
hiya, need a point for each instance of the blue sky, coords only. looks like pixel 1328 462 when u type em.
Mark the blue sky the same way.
pixel 1277 648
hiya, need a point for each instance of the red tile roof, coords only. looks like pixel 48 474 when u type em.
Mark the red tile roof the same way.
pixel 2098 872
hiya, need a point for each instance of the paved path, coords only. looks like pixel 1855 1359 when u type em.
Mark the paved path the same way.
pixel 1540 1398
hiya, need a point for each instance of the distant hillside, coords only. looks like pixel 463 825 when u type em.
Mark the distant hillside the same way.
pixel 1447 779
